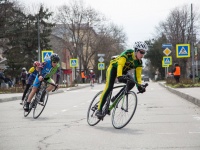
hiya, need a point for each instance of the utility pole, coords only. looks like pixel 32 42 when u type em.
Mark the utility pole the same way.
pixel 192 46
pixel 38 19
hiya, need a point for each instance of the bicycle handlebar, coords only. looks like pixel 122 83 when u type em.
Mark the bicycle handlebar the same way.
pixel 144 85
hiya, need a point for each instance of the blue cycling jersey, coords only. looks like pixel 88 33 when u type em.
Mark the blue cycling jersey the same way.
pixel 47 71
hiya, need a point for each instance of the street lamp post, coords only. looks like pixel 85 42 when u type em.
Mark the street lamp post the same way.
pixel 192 46
pixel 38 38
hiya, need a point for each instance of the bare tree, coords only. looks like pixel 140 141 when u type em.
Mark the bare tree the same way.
pixel 177 29
pixel 86 34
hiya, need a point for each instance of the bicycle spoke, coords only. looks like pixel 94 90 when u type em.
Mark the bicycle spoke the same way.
pixel 91 117
pixel 124 110
pixel 26 113
pixel 40 105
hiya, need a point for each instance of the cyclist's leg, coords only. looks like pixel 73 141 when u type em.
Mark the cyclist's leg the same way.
pixel 25 91
pixel 93 80
pixel 110 79
pixel 36 84
pixel 131 85
pixel 50 87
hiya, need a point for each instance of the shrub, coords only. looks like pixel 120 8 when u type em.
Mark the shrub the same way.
pixel 184 83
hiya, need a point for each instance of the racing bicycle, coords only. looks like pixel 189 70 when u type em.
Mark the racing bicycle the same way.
pixel 40 100
pixel 124 106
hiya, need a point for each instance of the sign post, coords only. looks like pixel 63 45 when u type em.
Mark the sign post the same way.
pixel 166 59
pixel 101 66
pixel 73 64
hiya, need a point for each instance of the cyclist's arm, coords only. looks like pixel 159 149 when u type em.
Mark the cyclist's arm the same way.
pixel 138 75
pixel 121 63
pixel 57 76
pixel 31 70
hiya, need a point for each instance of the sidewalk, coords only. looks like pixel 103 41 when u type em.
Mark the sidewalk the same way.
pixel 18 96
pixel 190 94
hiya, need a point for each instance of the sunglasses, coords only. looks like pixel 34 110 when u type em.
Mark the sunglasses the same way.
pixel 141 52
pixel 54 62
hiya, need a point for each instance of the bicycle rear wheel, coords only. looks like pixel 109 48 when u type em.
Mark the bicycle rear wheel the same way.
pixel 26 113
pixel 124 110
pixel 91 117
pixel 40 105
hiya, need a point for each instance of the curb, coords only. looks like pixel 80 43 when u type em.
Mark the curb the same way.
pixel 183 95
pixel 77 87
pixel 56 92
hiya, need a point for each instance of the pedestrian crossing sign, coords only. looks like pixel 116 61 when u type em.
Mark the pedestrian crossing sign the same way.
pixel 164 65
pixel 46 55
pixel 167 60
pixel 182 50
pixel 101 66
pixel 73 62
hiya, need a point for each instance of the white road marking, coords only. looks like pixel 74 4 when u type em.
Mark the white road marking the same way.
pixel 64 110
pixel 167 133
pixel 194 132
pixel 196 117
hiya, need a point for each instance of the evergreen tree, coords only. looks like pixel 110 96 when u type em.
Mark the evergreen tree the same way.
pixel 21 33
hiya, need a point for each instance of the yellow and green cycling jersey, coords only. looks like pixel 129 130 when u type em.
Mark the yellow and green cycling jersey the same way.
pixel 118 67
pixel 127 61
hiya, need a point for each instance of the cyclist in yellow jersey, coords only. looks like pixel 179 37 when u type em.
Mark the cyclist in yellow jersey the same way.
pixel 33 71
pixel 119 67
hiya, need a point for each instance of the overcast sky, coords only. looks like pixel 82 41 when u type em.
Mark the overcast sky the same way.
pixel 137 17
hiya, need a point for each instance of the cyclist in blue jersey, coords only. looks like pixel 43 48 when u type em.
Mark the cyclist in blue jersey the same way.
pixel 50 68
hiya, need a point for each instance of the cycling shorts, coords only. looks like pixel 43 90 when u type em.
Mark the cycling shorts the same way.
pixel 36 82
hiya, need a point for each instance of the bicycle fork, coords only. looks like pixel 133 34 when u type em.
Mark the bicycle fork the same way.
pixel 124 104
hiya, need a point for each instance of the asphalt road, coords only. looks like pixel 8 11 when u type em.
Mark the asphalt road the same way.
pixel 162 121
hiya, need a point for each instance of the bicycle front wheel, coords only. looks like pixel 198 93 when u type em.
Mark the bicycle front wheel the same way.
pixel 91 117
pixel 124 110
pixel 40 105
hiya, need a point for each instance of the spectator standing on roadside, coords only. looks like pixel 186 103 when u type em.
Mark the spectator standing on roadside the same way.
pixel 8 81
pixel 177 72
pixel 2 77
pixel 23 77
pixel 83 76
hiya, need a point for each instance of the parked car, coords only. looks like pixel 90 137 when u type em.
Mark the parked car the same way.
pixel 146 78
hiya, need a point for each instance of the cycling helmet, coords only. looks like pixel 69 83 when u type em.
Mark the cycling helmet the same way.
pixel 23 69
pixel 37 64
pixel 140 46
pixel 55 57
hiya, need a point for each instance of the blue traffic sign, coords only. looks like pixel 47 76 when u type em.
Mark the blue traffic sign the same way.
pixel 73 62
pixel 46 55
pixel 101 66
pixel 167 60
pixel 167 46
pixel 182 50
